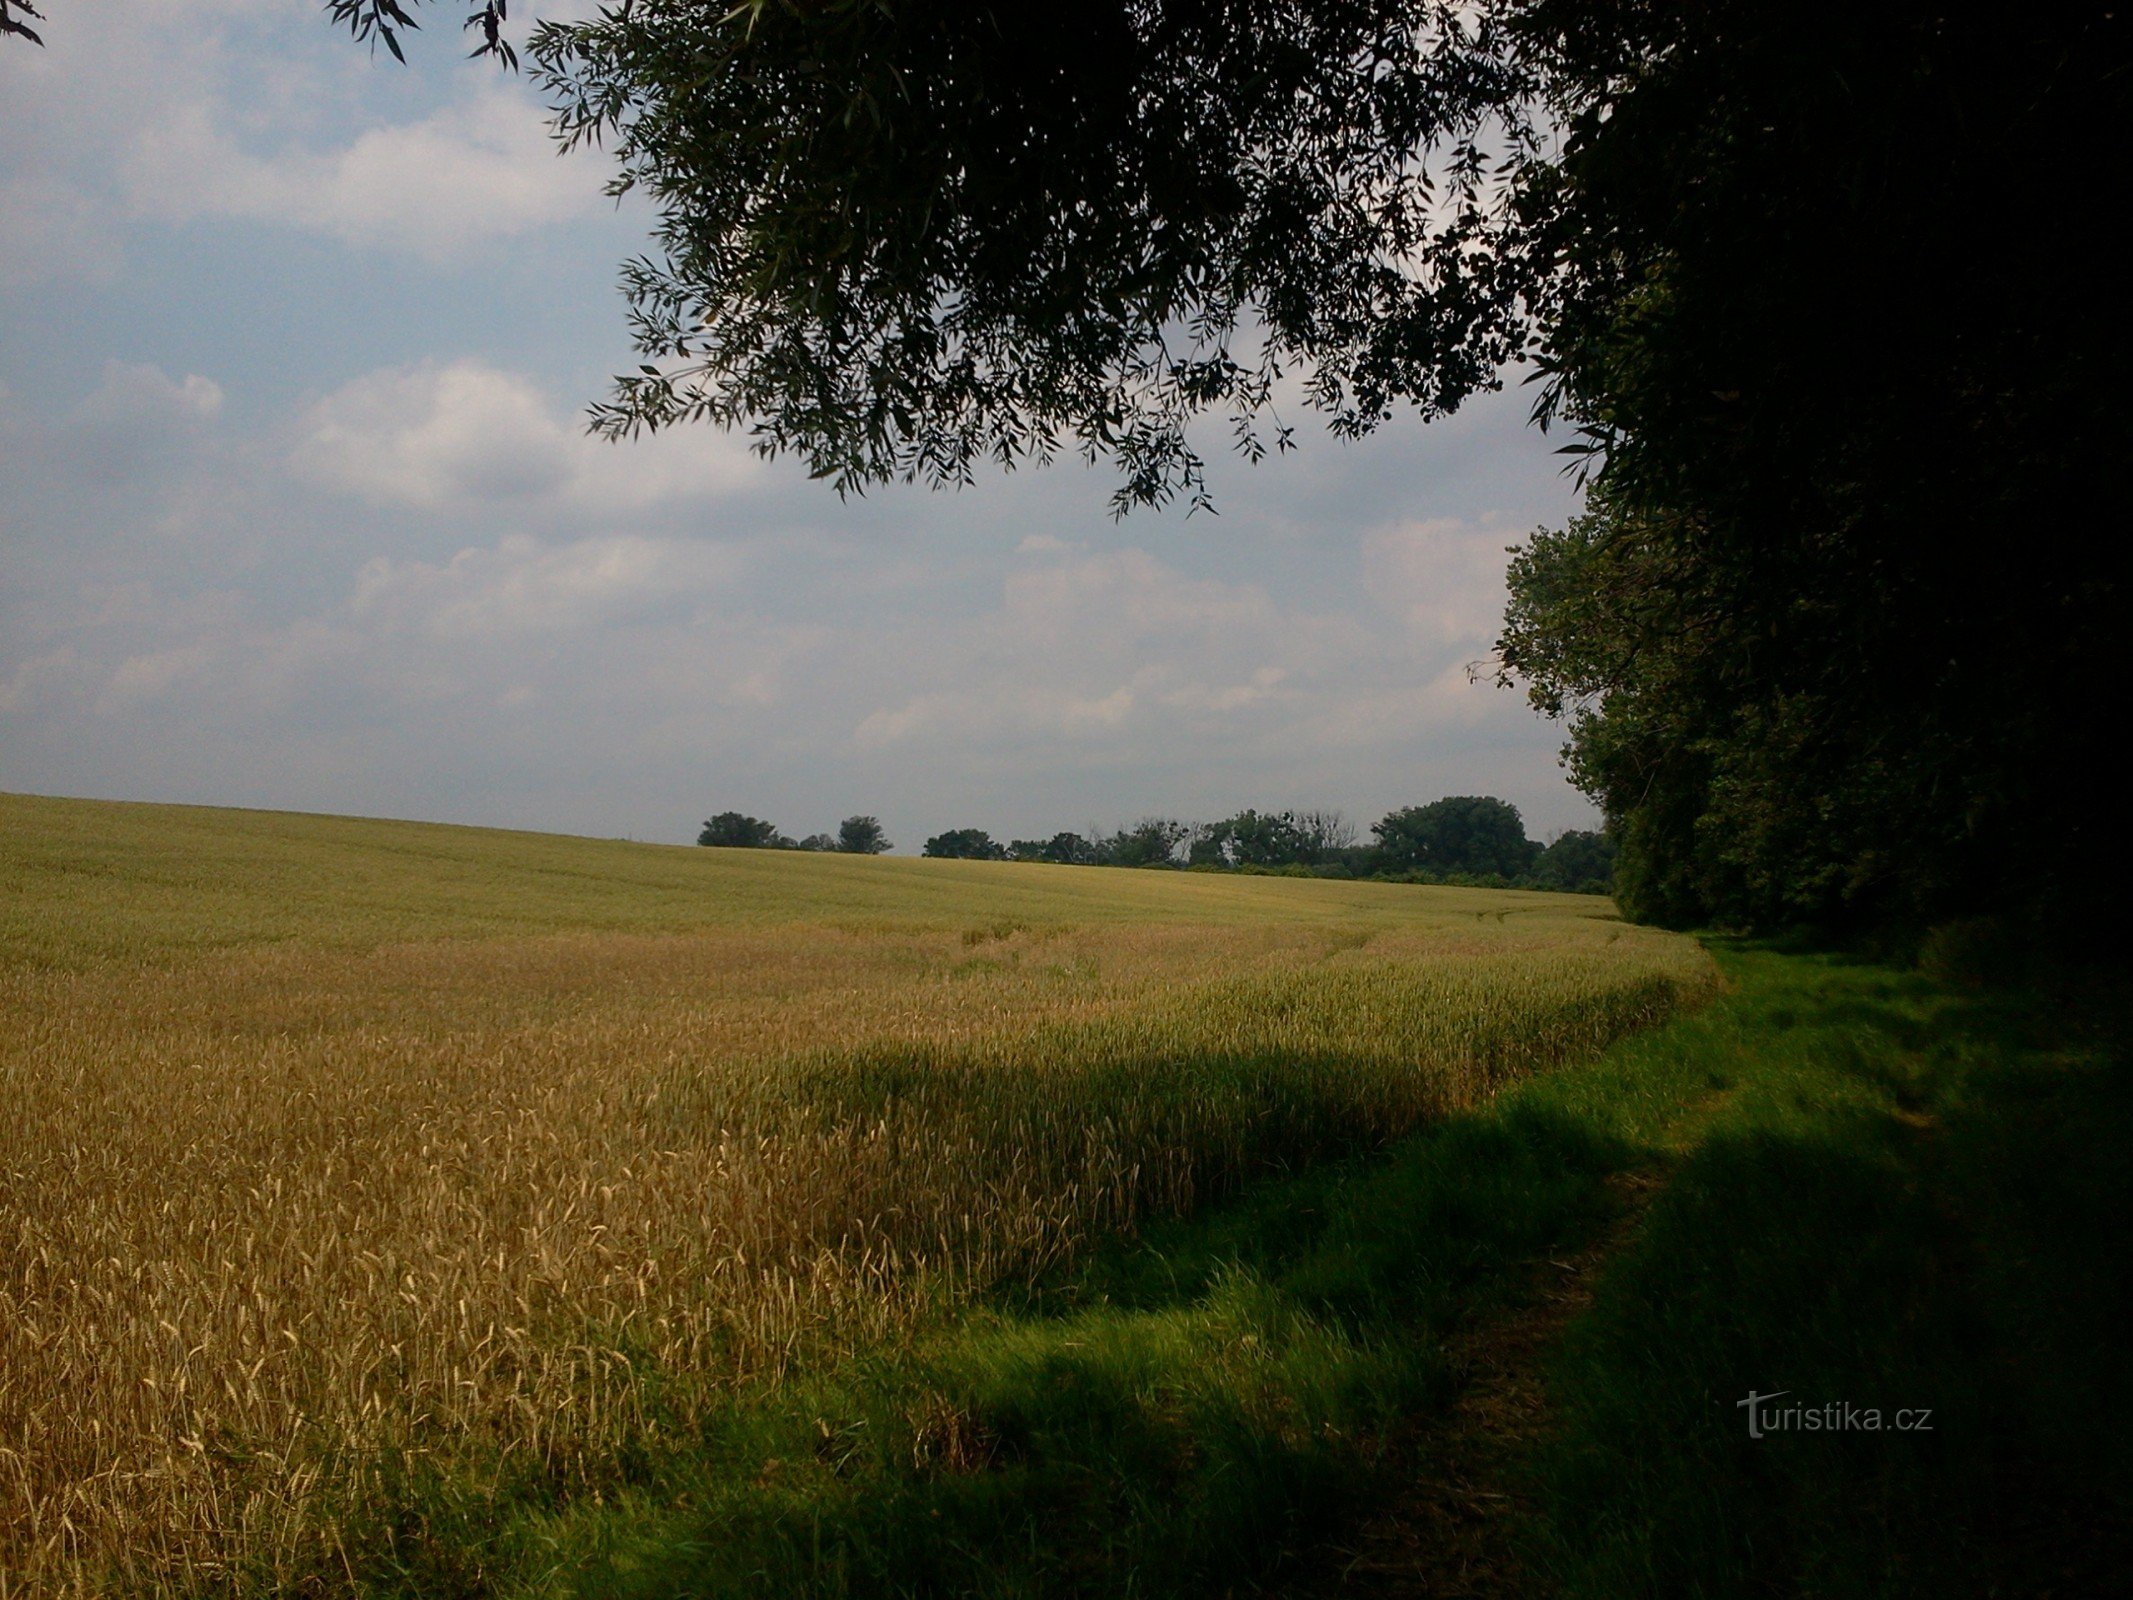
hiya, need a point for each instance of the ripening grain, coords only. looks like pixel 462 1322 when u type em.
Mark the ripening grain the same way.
pixel 330 1149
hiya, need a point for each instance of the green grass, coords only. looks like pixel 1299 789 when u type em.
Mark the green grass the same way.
pixel 1916 1198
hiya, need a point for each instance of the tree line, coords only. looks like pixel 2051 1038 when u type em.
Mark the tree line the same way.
pixel 855 836
pixel 1461 839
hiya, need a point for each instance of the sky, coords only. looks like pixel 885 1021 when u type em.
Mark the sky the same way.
pixel 297 510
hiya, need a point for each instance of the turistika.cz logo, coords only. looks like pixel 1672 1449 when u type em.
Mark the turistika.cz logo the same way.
pixel 1835 1416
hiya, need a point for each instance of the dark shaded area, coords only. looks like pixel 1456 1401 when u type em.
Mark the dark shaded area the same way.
pixel 1837 312
pixel 1953 1244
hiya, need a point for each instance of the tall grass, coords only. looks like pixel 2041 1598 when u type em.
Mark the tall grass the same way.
pixel 332 1152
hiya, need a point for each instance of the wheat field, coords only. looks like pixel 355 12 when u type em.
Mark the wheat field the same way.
pixel 332 1150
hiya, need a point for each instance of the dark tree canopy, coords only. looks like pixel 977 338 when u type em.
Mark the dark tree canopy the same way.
pixel 965 844
pixel 1475 834
pixel 1252 839
pixel 1271 839
pixel 906 237
pixel 1061 849
pixel 735 831
pixel 1577 860
pixel 862 836
pixel 1150 842
pixel 1840 308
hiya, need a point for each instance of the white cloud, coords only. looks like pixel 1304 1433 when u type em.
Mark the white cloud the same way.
pixel 1095 650
pixel 139 429
pixel 177 110
pixel 480 169
pixel 35 675
pixel 1443 578
pixel 520 587
pixel 1045 544
pixel 1263 686
pixel 143 678
pixel 1123 595
pixel 429 436
pixel 144 396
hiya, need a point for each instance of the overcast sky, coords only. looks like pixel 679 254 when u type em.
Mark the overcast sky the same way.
pixel 297 510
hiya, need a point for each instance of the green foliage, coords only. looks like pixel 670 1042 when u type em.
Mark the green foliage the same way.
pixel 1249 840
pixel 1062 849
pixel 1460 833
pixel 734 831
pixel 862 836
pixel 1150 842
pixel 1466 841
pixel 965 844
pixel 1577 860
pixel 1272 839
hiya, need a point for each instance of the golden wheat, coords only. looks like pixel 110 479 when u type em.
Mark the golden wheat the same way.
pixel 327 1146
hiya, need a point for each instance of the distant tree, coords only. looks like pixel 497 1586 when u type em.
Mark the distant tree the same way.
pixel 1272 839
pixel 819 841
pixel 734 831
pixel 1150 842
pixel 1579 859
pixel 1324 832
pixel 861 836
pixel 965 844
pixel 1062 849
pixel 1253 839
pixel 1461 833
pixel 1208 847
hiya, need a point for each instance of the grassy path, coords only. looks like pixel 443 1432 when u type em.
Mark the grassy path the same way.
pixel 1506 1356
pixel 1452 1529
pixel 1897 1202
pixel 1913 1207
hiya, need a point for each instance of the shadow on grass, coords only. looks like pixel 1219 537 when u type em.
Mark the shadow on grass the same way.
pixel 1927 1215
pixel 1182 1415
